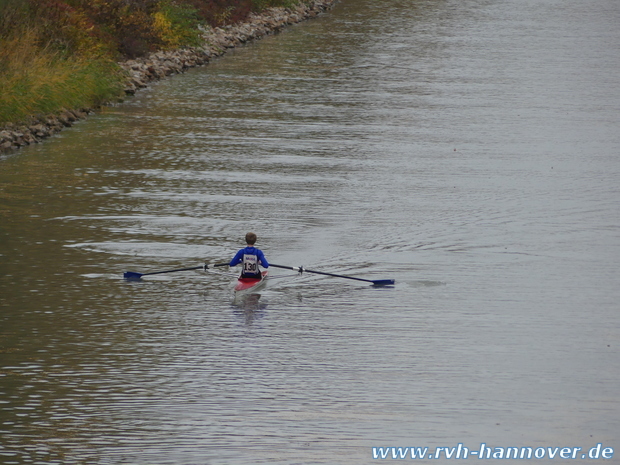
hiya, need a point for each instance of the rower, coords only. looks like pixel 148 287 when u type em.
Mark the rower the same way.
pixel 251 258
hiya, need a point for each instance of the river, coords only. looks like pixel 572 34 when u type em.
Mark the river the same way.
pixel 467 149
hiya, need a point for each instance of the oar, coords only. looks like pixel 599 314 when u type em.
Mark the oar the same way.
pixel 132 275
pixel 301 269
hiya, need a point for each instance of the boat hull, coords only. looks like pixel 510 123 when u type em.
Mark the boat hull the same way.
pixel 245 285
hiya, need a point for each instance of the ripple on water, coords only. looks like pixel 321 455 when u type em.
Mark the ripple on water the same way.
pixel 465 149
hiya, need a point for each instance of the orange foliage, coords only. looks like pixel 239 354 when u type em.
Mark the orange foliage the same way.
pixel 124 28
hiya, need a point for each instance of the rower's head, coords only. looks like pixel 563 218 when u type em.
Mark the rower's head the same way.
pixel 250 238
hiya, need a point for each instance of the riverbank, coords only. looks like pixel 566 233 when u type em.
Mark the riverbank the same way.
pixel 141 71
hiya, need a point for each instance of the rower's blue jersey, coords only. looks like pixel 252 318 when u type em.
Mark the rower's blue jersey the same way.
pixel 250 251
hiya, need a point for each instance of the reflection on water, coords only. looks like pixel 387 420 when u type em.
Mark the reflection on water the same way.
pixel 467 149
pixel 249 307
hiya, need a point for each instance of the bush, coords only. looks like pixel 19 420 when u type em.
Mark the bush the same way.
pixel 58 54
pixel 38 80
pixel 176 25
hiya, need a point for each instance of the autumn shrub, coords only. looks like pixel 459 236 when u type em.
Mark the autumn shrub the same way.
pixel 58 54
pixel 176 25
pixel 13 14
pixel 221 12
pixel 127 27
pixel 38 80
pixel 259 5
pixel 49 61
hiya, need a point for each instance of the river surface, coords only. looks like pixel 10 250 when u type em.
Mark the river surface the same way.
pixel 468 149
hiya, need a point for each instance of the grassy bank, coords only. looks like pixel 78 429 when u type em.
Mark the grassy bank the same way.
pixel 62 54
pixel 36 80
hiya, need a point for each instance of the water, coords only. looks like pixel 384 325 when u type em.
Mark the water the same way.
pixel 467 149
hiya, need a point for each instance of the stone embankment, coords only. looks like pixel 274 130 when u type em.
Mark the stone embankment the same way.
pixel 160 64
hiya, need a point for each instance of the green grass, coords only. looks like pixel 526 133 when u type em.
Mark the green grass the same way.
pixel 41 81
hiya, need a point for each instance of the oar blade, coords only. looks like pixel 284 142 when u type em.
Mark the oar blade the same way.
pixel 132 275
pixel 383 282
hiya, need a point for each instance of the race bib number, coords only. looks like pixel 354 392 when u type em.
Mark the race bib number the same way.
pixel 250 264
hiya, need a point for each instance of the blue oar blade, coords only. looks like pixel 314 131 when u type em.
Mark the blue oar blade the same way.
pixel 383 282
pixel 132 276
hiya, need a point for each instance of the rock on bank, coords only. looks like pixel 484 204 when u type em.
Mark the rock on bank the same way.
pixel 160 64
